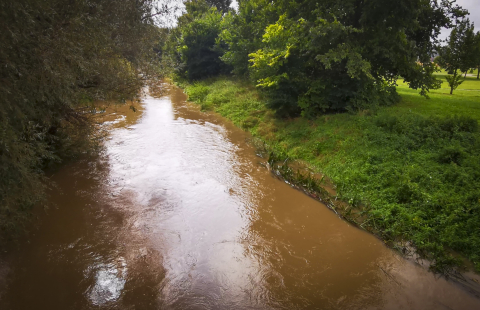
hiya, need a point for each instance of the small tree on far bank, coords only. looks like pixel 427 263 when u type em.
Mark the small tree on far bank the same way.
pixel 468 52
pixel 456 56
pixel 454 81
pixel 476 54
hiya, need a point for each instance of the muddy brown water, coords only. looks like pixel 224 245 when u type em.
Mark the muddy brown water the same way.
pixel 179 213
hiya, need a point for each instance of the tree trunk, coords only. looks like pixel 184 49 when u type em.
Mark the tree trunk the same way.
pixel 453 84
pixel 478 72
pixel 465 74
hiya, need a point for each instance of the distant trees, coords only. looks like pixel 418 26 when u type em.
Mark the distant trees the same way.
pixel 458 55
pixel 469 49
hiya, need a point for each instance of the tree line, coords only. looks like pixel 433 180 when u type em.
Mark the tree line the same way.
pixel 313 57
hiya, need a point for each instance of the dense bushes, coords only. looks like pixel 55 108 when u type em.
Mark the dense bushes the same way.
pixel 340 55
pixel 312 67
pixel 419 178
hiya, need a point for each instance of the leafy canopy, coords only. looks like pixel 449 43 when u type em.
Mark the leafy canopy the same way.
pixel 197 33
pixel 315 57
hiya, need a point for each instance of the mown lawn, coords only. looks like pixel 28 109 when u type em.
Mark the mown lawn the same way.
pixel 464 101
pixel 412 170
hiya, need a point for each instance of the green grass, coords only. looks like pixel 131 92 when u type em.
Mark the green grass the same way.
pixel 412 170
pixel 464 101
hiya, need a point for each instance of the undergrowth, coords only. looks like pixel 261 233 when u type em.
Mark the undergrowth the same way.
pixel 414 178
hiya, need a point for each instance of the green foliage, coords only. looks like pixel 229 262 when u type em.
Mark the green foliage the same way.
pixel 338 56
pixel 198 93
pixel 196 44
pixel 459 53
pixel 468 53
pixel 454 81
pixel 57 56
pixel 328 80
pixel 315 57
pixel 242 32
pixel 414 177
pixel 221 5
pixel 476 54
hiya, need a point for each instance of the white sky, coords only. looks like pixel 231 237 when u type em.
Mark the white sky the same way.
pixel 473 6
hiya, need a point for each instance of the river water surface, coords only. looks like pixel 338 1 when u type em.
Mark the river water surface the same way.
pixel 179 213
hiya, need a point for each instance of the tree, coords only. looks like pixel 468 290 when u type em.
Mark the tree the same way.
pixel 319 56
pixel 476 54
pixel 221 5
pixel 243 32
pixel 469 50
pixel 198 30
pixel 456 55
pixel 339 55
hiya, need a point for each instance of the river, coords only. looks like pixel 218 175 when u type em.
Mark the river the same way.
pixel 178 212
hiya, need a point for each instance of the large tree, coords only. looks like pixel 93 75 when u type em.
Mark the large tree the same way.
pixel 334 55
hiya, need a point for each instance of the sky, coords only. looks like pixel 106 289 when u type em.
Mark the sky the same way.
pixel 473 6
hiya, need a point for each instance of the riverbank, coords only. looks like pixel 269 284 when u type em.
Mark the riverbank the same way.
pixel 178 208
pixel 410 172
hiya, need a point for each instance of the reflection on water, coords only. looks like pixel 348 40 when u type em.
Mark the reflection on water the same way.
pixel 109 283
pixel 179 213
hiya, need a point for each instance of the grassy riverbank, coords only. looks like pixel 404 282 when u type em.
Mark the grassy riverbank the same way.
pixel 412 170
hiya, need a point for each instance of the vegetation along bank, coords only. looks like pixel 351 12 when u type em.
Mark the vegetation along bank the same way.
pixel 57 58
pixel 355 92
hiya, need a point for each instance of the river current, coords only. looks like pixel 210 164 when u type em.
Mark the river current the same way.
pixel 178 212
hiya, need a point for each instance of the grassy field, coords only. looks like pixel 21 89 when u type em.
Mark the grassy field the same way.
pixel 411 170
pixel 464 101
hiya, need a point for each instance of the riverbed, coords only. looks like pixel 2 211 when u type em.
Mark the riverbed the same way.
pixel 178 212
